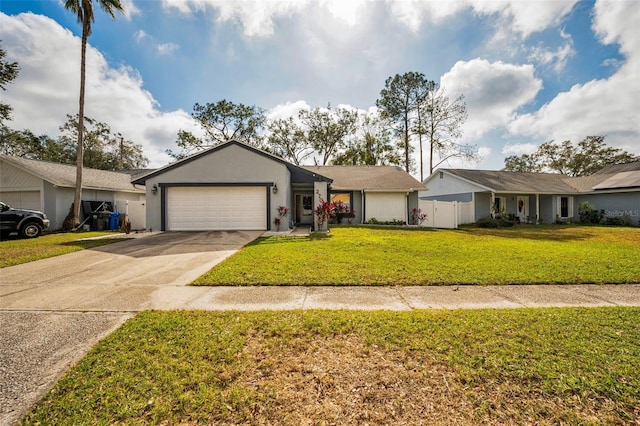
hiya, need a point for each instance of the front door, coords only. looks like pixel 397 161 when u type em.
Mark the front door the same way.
pixel 304 209
pixel 522 208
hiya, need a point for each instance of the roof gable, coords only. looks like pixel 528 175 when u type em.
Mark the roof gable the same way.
pixel 64 175
pixel 368 178
pixel 298 174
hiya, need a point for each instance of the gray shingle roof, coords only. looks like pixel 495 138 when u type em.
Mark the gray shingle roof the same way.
pixel 618 168
pixel 549 183
pixel 498 181
pixel 371 178
pixel 64 175
pixel 620 180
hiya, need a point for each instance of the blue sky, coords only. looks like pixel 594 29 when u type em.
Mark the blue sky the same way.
pixel 530 71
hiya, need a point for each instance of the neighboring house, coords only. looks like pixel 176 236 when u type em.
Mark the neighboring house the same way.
pixel 49 187
pixel 384 193
pixel 234 186
pixel 540 197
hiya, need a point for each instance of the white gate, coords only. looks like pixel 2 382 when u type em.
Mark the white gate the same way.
pixel 445 214
pixel 136 212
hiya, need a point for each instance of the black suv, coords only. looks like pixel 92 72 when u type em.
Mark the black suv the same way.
pixel 28 223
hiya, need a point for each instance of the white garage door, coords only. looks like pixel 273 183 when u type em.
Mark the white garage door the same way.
pixel 216 208
pixel 386 206
pixel 22 199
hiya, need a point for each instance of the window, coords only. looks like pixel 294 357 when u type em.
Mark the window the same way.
pixel 565 207
pixel 499 205
pixel 342 197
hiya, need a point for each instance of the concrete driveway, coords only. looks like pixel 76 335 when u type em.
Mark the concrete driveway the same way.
pixel 54 310
pixel 120 276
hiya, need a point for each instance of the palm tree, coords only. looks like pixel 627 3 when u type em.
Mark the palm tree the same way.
pixel 84 10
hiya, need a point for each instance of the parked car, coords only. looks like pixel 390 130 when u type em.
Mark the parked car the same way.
pixel 28 223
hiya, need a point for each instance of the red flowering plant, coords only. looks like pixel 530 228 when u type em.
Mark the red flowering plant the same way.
pixel 324 210
pixel 283 211
pixel 417 216
pixel 340 210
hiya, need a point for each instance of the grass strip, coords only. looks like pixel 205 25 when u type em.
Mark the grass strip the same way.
pixel 524 366
pixel 18 251
pixel 379 256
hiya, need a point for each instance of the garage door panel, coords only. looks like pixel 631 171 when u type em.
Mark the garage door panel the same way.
pixel 29 200
pixel 386 206
pixel 216 208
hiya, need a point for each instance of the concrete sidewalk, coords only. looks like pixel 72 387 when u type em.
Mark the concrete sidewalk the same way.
pixel 73 297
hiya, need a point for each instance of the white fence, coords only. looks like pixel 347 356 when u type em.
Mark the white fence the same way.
pixel 446 214
pixel 135 211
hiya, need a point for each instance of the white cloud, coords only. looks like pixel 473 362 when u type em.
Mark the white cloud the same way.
pixel 556 60
pixel 140 35
pixel 606 107
pixel 48 85
pixel 493 92
pixel 167 48
pixel 255 16
pixel 524 17
pixel 413 13
pixel 519 149
pixel 286 110
pixel 130 9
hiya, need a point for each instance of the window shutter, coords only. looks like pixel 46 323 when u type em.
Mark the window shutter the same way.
pixel 559 207
pixel 571 207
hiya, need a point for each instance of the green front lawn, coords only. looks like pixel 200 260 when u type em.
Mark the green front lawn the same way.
pixel 14 251
pixel 379 256
pixel 524 366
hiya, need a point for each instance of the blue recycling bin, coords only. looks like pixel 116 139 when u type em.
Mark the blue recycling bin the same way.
pixel 113 221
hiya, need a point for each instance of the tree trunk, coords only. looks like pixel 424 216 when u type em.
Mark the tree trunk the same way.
pixel 79 150
pixel 406 143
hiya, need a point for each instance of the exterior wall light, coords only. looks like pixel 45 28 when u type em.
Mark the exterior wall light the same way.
pixel 275 188
pixel 154 189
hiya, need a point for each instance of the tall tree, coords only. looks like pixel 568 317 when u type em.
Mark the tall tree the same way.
pixel 221 121
pixel 23 143
pixel 103 149
pixel 327 130
pixel 587 157
pixel 399 101
pixel 441 120
pixel 83 9
pixel 372 145
pixel 8 73
pixel 287 140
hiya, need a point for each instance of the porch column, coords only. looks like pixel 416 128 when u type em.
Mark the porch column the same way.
pixel 493 196
pixel 319 192
pixel 537 208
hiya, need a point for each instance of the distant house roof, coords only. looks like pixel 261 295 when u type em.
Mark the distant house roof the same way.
pixel 368 178
pixel 64 175
pixel 298 174
pixel 618 168
pixel 617 177
pixel 502 181
pixel 620 180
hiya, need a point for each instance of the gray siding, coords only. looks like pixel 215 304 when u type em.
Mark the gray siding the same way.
pixel 626 204
pixel 482 205
pixel 229 165
pixel 463 197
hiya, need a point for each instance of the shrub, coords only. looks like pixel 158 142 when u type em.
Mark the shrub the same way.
pixel 492 222
pixel 589 215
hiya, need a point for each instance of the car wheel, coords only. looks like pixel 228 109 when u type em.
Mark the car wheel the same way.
pixel 31 230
